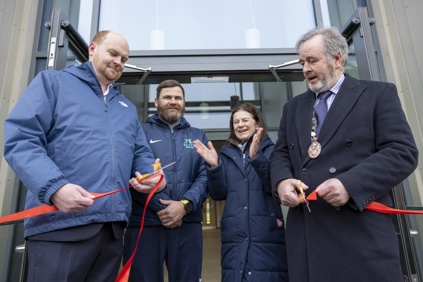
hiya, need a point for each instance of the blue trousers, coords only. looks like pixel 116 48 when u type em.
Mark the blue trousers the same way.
pixel 180 248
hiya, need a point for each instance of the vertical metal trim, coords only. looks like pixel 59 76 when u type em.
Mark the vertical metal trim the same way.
pixel 358 30
pixel 317 6
pixel 408 257
pixel 367 35
pixel 56 55
pixel 95 18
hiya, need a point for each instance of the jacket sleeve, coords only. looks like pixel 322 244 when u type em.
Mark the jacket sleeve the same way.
pixel 143 156
pixel 261 165
pixel 395 156
pixel 280 161
pixel 25 138
pixel 143 161
pixel 218 187
pixel 154 204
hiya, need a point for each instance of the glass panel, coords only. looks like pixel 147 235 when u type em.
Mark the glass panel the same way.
pixel 209 214
pixel 340 11
pixel 70 8
pixel 352 67
pixel 207 105
pixel 217 24
pixel 274 96
pixel 85 20
pixel 40 65
pixel 206 102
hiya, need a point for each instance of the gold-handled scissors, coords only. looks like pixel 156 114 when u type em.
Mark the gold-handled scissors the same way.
pixel 301 194
pixel 157 167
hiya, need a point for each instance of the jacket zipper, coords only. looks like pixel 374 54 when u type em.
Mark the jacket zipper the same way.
pixel 174 167
pixel 106 105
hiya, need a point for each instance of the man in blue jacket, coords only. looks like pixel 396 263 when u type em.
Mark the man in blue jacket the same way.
pixel 70 134
pixel 172 231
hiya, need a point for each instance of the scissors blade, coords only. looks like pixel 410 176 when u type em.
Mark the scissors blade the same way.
pixel 149 175
pixel 307 204
pixel 163 167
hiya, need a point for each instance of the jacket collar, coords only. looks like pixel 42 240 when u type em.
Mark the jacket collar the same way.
pixel 183 123
pixel 86 73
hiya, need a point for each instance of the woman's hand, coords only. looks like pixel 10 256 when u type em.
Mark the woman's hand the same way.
pixel 209 154
pixel 255 144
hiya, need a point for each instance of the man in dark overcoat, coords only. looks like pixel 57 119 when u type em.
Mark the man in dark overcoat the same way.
pixel 363 149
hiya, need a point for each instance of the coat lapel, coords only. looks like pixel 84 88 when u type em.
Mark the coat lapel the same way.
pixel 304 114
pixel 347 96
pixel 345 100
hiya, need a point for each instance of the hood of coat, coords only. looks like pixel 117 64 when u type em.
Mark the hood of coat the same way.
pixel 86 73
pixel 154 119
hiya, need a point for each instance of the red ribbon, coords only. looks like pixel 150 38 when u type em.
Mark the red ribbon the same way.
pixel 123 275
pixel 374 206
pixel 44 208
pixel 16 217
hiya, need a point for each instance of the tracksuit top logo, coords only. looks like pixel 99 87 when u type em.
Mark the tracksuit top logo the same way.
pixel 188 144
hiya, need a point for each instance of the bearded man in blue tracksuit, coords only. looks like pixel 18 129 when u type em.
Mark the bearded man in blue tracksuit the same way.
pixel 172 231
pixel 72 134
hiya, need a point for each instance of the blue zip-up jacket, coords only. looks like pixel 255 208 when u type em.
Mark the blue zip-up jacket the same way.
pixel 251 238
pixel 186 179
pixel 62 131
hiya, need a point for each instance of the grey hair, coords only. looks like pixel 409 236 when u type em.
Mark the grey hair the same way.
pixel 333 42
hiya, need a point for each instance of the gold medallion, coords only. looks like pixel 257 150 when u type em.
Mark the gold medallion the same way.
pixel 314 149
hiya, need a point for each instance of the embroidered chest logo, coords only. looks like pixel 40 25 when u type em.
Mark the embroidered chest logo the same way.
pixel 188 144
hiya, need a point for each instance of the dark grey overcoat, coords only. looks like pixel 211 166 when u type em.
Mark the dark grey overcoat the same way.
pixel 367 144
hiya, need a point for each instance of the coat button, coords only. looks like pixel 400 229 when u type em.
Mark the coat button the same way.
pixel 348 143
pixel 332 170
pixel 304 171
pixel 291 146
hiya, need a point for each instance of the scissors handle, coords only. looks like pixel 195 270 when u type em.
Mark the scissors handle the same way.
pixel 301 195
pixel 157 167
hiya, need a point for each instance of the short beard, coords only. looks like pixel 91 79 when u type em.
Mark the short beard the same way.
pixel 170 118
pixel 323 85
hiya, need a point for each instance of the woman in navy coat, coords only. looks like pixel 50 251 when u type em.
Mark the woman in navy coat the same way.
pixel 253 235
